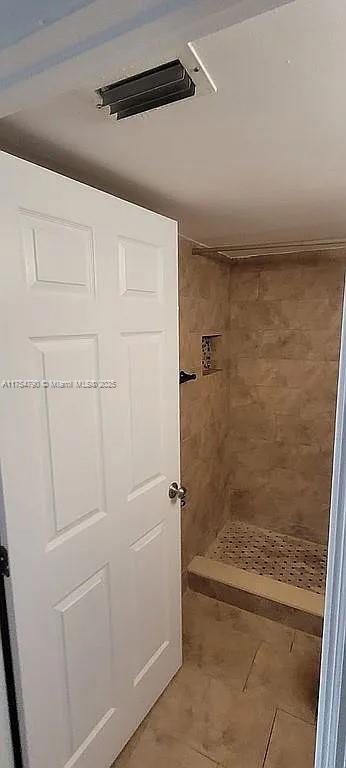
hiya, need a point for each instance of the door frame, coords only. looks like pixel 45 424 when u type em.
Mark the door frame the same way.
pixel 8 702
pixel 331 723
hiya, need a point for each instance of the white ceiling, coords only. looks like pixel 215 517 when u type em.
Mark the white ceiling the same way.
pixel 33 15
pixel 264 159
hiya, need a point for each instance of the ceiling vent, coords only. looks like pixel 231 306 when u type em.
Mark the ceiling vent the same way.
pixel 148 90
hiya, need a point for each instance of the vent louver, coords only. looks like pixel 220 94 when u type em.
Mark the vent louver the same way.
pixel 148 90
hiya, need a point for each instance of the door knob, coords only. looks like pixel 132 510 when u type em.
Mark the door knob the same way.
pixel 176 492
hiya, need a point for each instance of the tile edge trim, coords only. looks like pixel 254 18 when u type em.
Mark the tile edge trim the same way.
pixel 262 586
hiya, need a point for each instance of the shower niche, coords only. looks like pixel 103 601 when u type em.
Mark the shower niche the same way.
pixel 211 353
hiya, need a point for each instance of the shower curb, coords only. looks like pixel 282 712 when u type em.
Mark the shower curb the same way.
pixel 287 604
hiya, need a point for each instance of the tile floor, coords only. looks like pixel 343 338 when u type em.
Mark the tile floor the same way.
pixel 284 558
pixel 245 697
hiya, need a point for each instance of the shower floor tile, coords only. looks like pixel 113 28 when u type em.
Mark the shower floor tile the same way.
pixel 283 558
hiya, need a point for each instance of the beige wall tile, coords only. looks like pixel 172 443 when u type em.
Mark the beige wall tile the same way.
pixel 244 285
pixel 303 315
pixel 305 283
pixel 306 429
pixel 261 455
pixel 307 374
pixel 309 398
pixel 252 420
pixel 257 438
pixel 204 404
pixel 296 515
pixel 256 314
pixel 271 344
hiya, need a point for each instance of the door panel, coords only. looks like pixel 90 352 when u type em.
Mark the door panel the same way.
pixel 151 621
pixel 89 294
pixel 134 280
pixel 87 655
pixel 71 416
pixel 57 253
pixel 144 356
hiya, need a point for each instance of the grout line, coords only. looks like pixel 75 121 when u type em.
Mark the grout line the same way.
pixel 193 749
pixel 198 752
pixel 269 739
pixel 251 668
pixel 297 717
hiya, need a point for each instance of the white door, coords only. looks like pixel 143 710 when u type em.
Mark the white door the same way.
pixel 88 293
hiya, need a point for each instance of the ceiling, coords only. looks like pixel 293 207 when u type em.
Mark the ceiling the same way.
pixel 264 159
pixel 33 15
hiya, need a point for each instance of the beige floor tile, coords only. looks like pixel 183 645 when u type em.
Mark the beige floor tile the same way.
pixel 309 644
pixel 198 608
pixel 124 759
pixel 204 719
pixel 292 744
pixel 156 750
pixel 219 650
pixel 286 680
pixel 228 726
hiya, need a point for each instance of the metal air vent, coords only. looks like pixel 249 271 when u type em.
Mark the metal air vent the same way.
pixel 148 90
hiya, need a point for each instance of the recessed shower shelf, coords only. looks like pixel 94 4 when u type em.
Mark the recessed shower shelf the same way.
pixel 210 353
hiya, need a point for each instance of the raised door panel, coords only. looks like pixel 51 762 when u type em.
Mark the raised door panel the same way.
pixel 140 269
pixel 151 617
pixel 86 637
pixel 145 397
pixel 71 421
pixel 59 255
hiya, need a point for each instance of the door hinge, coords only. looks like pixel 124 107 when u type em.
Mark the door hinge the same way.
pixel 4 564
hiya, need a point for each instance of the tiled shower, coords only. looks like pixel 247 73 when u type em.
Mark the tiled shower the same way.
pixel 257 431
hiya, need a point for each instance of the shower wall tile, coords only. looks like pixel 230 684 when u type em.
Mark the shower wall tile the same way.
pixel 246 286
pixel 204 404
pixel 255 315
pixel 248 455
pixel 252 420
pixel 306 429
pixel 311 314
pixel 257 437
pixel 296 515
pixel 322 282
pixel 284 346
pixel 288 373
pixel 320 344
pixel 312 397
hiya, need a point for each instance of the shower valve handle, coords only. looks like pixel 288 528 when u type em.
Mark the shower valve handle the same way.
pixel 183 377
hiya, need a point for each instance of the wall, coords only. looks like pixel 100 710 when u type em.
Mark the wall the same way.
pixel 204 309
pixel 284 342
